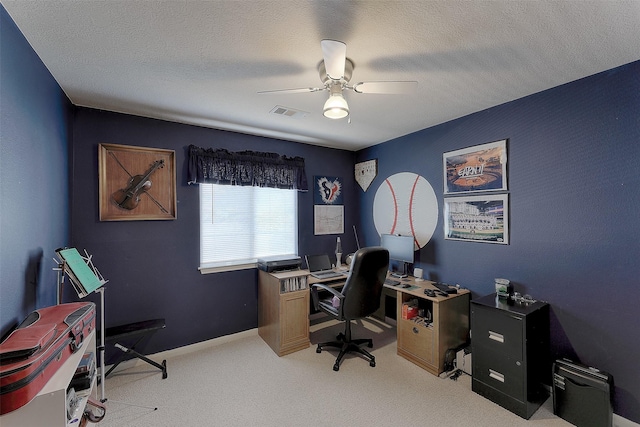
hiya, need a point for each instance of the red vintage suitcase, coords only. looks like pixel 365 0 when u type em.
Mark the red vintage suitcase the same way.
pixel 38 347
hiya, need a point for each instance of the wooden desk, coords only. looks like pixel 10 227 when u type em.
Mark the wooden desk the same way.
pixel 283 309
pixel 426 345
pixel 283 317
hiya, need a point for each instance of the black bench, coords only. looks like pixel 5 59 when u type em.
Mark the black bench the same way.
pixel 134 331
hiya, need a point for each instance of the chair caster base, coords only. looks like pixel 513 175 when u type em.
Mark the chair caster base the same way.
pixel 336 367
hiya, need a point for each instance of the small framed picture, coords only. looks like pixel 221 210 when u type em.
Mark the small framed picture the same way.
pixel 477 218
pixel 479 168
pixel 136 183
pixel 328 219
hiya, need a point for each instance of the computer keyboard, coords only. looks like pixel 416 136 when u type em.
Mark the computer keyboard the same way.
pixel 391 282
pixel 327 274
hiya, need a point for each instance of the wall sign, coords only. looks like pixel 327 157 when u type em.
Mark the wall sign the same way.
pixel 366 172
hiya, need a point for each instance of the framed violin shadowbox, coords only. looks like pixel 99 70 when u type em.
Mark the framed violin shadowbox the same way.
pixel 136 183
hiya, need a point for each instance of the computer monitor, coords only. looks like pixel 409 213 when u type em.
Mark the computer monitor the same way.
pixel 401 249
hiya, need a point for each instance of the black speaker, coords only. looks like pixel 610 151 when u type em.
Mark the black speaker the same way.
pixel 582 395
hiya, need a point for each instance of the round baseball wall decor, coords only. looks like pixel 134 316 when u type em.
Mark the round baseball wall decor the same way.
pixel 406 204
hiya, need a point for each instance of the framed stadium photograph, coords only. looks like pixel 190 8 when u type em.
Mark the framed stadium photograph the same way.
pixel 478 168
pixel 477 218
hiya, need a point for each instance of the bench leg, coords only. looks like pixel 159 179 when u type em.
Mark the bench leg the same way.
pixel 120 359
pixel 162 367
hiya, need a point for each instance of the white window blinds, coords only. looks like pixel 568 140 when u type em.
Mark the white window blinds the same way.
pixel 239 224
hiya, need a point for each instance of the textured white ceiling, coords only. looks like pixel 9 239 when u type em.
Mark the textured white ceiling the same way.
pixel 203 62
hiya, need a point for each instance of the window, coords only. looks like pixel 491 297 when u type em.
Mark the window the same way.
pixel 239 224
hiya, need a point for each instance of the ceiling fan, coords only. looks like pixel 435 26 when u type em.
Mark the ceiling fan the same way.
pixel 335 72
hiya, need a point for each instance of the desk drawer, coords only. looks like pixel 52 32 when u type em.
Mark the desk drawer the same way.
pixel 416 339
pixel 498 331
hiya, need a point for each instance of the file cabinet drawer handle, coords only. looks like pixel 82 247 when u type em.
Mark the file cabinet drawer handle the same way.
pixel 496 337
pixel 496 375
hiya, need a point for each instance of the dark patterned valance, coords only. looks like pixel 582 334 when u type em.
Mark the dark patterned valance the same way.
pixel 246 168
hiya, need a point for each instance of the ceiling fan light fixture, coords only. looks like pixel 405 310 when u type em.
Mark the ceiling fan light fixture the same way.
pixel 336 107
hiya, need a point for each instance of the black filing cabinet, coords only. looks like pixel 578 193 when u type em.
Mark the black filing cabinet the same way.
pixel 510 348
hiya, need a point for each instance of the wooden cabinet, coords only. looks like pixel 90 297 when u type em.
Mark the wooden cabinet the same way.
pixel 283 310
pixel 510 352
pixel 415 342
pixel 49 407
pixel 425 343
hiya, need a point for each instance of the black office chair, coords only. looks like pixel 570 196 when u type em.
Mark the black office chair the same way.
pixel 359 298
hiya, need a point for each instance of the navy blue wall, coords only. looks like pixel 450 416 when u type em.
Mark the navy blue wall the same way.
pixel 34 212
pixel 574 186
pixel 152 266
pixel 574 202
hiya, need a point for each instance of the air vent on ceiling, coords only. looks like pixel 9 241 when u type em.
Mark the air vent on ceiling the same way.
pixel 289 112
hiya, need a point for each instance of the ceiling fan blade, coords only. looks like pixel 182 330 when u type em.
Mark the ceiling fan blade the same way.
pixel 334 54
pixel 399 87
pixel 299 90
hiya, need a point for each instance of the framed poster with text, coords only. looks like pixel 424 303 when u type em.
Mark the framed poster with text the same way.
pixel 479 168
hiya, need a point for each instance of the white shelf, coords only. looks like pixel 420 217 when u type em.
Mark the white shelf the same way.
pixel 49 407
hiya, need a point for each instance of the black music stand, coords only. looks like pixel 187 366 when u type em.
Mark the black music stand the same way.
pixel 85 278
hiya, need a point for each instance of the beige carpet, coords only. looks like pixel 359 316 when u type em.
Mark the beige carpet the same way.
pixel 243 383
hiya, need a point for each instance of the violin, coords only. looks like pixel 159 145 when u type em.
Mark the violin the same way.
pixel 129 197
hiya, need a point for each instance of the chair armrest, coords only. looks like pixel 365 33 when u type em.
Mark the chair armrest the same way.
pixel 316 298
pixel 327 288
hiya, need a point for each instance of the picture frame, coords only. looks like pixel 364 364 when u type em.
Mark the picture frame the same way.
pixel 328 205
pixel 136 183
pixel 328 219
pixel 477 218
pixel 328 190
pixel 475 169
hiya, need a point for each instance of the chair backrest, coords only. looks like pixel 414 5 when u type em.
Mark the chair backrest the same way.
pixel 363 287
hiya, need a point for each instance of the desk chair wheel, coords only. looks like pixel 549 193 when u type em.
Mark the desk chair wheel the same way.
pixel 372 363
pixel 164 370
pixel 319 349
pixel 340 337
pixel 336 367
